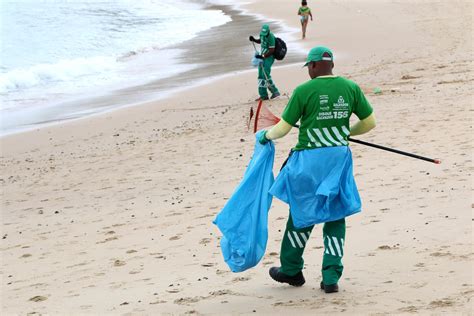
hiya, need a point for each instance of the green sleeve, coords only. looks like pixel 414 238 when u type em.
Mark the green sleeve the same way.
pixel 299 10
pixel 362 107
pixel 294 108
pixel 271 41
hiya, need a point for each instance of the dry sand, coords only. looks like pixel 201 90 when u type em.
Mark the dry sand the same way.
pixel 112 214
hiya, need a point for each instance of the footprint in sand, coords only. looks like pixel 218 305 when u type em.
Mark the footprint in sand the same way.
pixel 205 241
pixel 408 309
pixel 445 302
pixel 440 254
pixel 220 272
pixel 240 279
pixel 387 247
pixel 173 291
pixel 107 240
pixel 38 298
pixel 187 300
pixel 224 292
pixel 291 303
pixel 119 263
pixel 160 257
pixel 418 285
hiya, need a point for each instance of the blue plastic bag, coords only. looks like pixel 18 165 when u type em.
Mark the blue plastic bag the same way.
pixel 318 185
pixel 256 61
pixel 244 219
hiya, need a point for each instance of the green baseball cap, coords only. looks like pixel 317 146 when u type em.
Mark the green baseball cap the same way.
pixel 319 53
pixel 265 30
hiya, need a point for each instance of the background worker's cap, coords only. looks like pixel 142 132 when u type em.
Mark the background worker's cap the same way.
pixel 265 30
pixel 319 53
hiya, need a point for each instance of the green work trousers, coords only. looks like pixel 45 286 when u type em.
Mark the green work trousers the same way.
pixel 265 79
pixel 294 242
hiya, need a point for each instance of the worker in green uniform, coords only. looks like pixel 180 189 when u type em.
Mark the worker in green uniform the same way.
pixel 267 43
pixel 317 179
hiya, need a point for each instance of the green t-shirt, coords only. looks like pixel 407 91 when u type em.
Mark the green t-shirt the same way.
pixel 304 10
pixel 323 106
pixel 267 42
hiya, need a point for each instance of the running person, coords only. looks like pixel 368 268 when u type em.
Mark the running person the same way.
pixel 267 43
pixel 317 180
pixel 305 13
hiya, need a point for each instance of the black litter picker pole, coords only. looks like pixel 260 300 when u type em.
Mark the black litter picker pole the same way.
pixel 436 161
pixel 404 153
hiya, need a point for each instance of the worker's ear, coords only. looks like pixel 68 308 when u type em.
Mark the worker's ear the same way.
pixel 332 64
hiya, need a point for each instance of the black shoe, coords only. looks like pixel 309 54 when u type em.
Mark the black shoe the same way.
pixel 296 280
pixel 333 288
pixel 261 98
pixel 275 95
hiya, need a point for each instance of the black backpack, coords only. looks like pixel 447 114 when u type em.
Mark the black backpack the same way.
pixel 280 49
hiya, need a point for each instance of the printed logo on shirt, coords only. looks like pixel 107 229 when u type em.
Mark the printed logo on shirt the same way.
pixel 341 103
pixel 328 115
pixel 323 103
pixel 323 99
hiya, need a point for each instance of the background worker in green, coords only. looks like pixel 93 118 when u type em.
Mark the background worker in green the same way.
pixel 323 105
pixel 267 43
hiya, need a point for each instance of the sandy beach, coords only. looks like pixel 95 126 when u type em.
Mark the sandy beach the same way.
pixel 112 214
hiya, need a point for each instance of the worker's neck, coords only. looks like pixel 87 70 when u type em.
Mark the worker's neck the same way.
pixel 325 74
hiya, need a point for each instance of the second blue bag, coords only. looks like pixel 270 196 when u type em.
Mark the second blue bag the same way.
pixel 244 219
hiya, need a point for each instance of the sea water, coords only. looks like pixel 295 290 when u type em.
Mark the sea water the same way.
pixel 54 51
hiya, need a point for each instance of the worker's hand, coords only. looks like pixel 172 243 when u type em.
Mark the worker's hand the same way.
pixel 251 38
pixel 263 138
pixel 259 56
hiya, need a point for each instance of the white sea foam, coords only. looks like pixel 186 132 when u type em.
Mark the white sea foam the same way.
pixel 53 51
pixel 64 70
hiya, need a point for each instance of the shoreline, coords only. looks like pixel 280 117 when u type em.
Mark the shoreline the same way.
pixel 112 214
pixel 206 65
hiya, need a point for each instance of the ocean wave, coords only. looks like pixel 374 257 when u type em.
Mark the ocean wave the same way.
pixel 64 70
